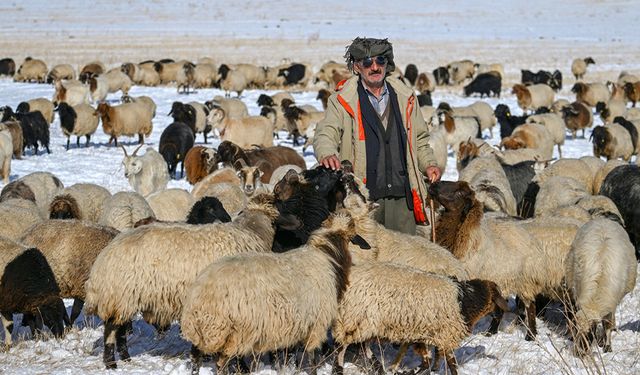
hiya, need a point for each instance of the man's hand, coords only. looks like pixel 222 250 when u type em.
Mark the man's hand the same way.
pixel 433 173
pixel 331 162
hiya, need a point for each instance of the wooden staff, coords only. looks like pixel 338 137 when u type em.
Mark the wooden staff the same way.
pixel 433 219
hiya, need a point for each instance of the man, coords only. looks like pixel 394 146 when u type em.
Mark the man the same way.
pixel 374 121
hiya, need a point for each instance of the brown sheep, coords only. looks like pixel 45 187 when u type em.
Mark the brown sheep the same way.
pixel 269 158
pixel 199 162
pixel 125 119
pixel 534 96
pixel 533 136
pixel 577 116
pixel 632 90
pixel 591 93
pixel 16 137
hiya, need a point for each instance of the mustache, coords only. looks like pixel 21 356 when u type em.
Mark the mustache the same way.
pixel 377 71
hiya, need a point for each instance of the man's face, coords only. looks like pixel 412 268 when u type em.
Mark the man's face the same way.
pixel 372 70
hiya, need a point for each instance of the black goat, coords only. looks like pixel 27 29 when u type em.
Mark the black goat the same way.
pixel 7 67
pixel 488 84
pixel 175 141
pixel 292 74
pixel 208 210
pixel 34 127
pixel 507 121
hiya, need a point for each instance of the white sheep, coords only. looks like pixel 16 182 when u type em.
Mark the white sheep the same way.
pixel 39 187
pixel 230 195
pixel 31 70
pixel 126 119
pixel 554 124
pixel 279 173
pixel 147 173
pixel 579 67
pixel 254 76
pixel 233 107
pixel 457 129
pixel 486 68
pixel 17 215
pixel 613 141
pixel 72 92
pixel 61 71
pixel 534 96
pixel 169 71
pixel 460 70
pixel 480 110
pixel 235 81
pixel 80 201
pixel 123 209
pixel 487 178
pixel 600 271
pixel 577 169
pixel 205 75
pixel 259 302
pixel 141 271
pixel 245 132
pixel 171 204
pixel 602 173
pixel 80 120
pixel 42 105
pixel 558 191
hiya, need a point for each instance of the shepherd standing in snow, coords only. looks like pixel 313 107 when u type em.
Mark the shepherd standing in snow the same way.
pixel 373 120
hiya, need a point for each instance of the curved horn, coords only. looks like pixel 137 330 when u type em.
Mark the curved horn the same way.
pixel 136 150
pixel 125 151
pixel 241 162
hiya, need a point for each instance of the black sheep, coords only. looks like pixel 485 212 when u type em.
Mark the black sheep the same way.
pixel 622 186
pixel 34 127
pixel 411 73
pixel 293 74
pixel 507 121
pixel 424 99
pixel 553 80
pixel 175 141
pixel 208 210
pixel 441 74
pixel 488 84
pixel 184 113
pixel 265 99
pixel 7 67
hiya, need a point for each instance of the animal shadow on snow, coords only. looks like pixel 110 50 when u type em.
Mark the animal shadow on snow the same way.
pixel 631 326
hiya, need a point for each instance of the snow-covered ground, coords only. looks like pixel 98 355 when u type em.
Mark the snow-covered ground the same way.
pixel 511 32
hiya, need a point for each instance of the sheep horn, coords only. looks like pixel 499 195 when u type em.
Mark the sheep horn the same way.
pixel 136 150
pixel 125 151
pixel 241 162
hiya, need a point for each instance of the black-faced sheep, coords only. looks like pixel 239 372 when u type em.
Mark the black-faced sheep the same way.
pixel 295 74
pixel 632 90
pixel 246 132
pixel 34 127
pixel 92 69
pixel 613 141
pixel 159 292
pixel 39 187
pixel 507 121
pixel 441 75
pixel 591 93
pixel 534 96
pixel 299 120
pixel 533 136
pixel 81 120
pixel 42 105
pixel 147 173
pixel 31 70
pixel 193 115
pixel 208 210
pixel 7 67
pixel 61 71
pixel 488 84
pixel 126 119
pixel 553 80
pixel 579 67
pixel 79 201
pixel 168 69
pixel 175 141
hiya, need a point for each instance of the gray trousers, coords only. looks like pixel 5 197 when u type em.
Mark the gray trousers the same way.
pixel 394 214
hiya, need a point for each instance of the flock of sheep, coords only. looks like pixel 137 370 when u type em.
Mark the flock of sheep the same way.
pixel 263 255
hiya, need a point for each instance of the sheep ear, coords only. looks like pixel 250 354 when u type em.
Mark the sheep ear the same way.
pixel 361 242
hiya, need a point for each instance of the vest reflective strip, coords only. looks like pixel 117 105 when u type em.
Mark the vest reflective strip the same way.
pixel 358 118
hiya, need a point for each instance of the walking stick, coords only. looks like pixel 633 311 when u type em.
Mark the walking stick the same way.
pixel 433 219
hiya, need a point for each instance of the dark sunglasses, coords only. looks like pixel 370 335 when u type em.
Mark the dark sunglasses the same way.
pixel 367 62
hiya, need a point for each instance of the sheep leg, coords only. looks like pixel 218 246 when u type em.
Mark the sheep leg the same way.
pixel 109 355
pixel 196 360
pixel 88 139
pixel 608 323
pixel 75 310
pixel 121 343
pixel 140 139
pixel 425 353
pixel 222 364
pixel 68 140
pixel 7 325
pixel 401 353
pixel 338 363
pixel 531 321
pixel 559 152
pixel 496 318
pixel 452 365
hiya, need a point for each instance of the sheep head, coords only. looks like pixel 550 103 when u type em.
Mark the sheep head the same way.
pixel 132 164
pixel 453 196
pixel 216 117
pixel 513 143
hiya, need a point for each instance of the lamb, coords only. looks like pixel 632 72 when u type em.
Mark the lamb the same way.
pixel 17 215
pixel 291 315
pixel 233 107
pixel 185 77
pixel 16 136
pixel 123 209
pixel 577 116
pixel 175 141
pixel 533 136
pixel 61 71
pixel 79 201
pixel 534 96
pixel 159 292
pixel 600 271
pixel 39 187
pixel 31 70
pixel 6 151
pixel 126 119
pixel 42 105
pixel 253 130
pixel 579 67
pixel 554 124
pixel 192 114
pixel 591 93
pixel 141 74
pixel 147 173
pixel 612 141
pixel 34 127
pixel 409 305
pixel 171 204
pixel 81 120
pixel 28 286
pixel 72 92
pixel 65 245
pixel 200 162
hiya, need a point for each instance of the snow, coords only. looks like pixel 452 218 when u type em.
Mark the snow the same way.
pixel 511 32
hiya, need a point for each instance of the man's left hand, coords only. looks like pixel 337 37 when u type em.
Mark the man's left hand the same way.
pixel 433 173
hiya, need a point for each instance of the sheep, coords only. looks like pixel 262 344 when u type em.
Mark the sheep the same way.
pixel 98 87
pixel 81 120
pixel 600 271
pixel 486 68
pixel 171 204
pixel 458 129
pixel 204 75
pixel 485 84
pixel 577 116
pixel 411 74
pixel 600 206
pixel 185 77
pixel 558 191
pixel 123 209
pixel 117 81
pixel 245 132
pixel 533 136
pixel 553 80
pixel 612 109
pixel 268 158
pixel 208 210
pixel 42 105
pixel 72 92
pixel 577 169
pixel 34 128
pixel 579 67
pixel 295 74
pixel 480 110
pixel 233 107
pixel 289 316
pixel 460 70
pixel 168 70
pixel 28 286
pixel 558 105
pixel 39 187
pixel 159 292
pixel 591 93
pixel 632 90
pixel 16 136
pixel 79 201
pixel 621 186
pixel 126 119
pixel 141 74
pixel 478 241
pixel 7 67
pixel 507 121
pixel 17 215
pixel 299 120
pixel 612 141
pixel 332 72
pixel 235 81
pixel 554 124
pixel 441 75
pixel 6 151
pixel 603 171
pixel 200 162
pixel 594 164
pixel 192 114
pixel 61 71
pixel 489 181
pixel 65 245
pixel 534 96
pixel 254 76
pixel 279 173
pixel 323 96
pixel 625 77
pixel 147 173
pixel 230 195
pixel 145 101
pixel 175 141
pixel 31 70
pixel 402 304
pixel 92 69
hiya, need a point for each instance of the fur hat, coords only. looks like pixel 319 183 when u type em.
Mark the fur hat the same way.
pixel 364 47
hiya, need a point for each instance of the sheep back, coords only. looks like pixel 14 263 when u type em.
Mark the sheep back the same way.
pixel 79 201
pixel 17 215
pixel 123 209
pixel 171 204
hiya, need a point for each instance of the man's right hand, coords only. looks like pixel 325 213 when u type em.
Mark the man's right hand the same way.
pixel 331 162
